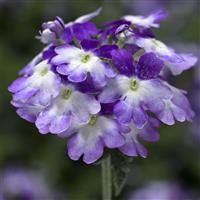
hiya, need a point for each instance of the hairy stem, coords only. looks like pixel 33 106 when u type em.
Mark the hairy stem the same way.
pixel 106 178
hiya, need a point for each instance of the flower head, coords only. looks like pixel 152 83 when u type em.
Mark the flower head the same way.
pixel 102 86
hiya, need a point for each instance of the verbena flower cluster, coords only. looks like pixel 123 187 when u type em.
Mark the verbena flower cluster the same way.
pixel 102 86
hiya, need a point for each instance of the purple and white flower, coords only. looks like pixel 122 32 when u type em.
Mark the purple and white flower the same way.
pixel 177 108
pixel 138 88
pixel 29 110
pixel 177 63
pixel 78 63
pixel 90 139
pixel 43 84
pixel 132 146
pixel 57 117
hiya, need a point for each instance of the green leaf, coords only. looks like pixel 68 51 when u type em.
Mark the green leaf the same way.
pixel 120 170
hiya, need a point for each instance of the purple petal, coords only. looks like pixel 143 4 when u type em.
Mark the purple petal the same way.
pixel 156 105
pixel 149 134
pixel 110 94
pixel 60 124
pixel 25 114
pixel 123 61
pixel 142 151
pixel 25 94
pixel 89 44
pixel 166 116
pixel 87 86
pixel 123 112
pixel 98 77
pixel 77 146
pixel 139 117
pixel 92 155
pixel 129 148
pixel 105 51
pixel 107 108
pixel 144 33
pixel 43 121
pixel 74 147
pixel 113 139
pixel 179 114
pixel 159 15
pixel 85 30
pixel 49 53
pixel 18 85
pixel 132 48
pixel 65 69
pixel 109 71
pixel 188 61
pixel 77 76
pixel 67 35
pixel 149 66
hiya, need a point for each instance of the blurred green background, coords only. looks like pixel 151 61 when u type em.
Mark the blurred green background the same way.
pixel 175 157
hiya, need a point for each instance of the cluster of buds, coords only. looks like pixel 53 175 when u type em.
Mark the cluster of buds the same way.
pixel 102 87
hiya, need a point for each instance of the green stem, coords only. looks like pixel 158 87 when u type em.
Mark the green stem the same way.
pixel 106 178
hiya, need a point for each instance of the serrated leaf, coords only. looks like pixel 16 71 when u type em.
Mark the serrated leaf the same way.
pixel 120 170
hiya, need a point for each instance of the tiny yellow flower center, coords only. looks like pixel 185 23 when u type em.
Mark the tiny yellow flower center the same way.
pixel 93 120
pixel 44 71
pixel 134 84
pixel 85 58
pixel 66 93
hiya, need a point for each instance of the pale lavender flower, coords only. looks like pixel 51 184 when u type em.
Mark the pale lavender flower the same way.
pixel 23 184
pixel 160 190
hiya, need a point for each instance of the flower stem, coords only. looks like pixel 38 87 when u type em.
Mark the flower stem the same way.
pixel 106 178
